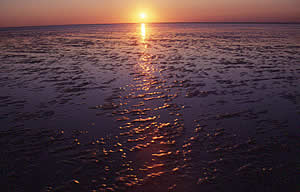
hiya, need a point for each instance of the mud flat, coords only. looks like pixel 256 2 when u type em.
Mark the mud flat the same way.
pixel 171 107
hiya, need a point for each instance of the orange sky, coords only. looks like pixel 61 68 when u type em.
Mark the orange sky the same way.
pixel 58 12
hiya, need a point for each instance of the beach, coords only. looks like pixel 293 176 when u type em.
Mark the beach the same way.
pixel 150 107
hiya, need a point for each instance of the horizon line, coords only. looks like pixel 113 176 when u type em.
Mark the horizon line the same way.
pixel 179 22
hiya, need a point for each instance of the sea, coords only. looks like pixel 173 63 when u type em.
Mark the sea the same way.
pixel 182 107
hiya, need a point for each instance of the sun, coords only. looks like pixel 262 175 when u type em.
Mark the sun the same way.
pixel 143 15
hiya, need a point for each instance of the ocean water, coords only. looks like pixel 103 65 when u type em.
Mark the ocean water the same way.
pixel 150 107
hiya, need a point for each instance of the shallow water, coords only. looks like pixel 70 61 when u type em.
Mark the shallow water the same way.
pixel 150 107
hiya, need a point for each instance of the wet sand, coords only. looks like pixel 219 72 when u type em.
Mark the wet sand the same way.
pixel 154 107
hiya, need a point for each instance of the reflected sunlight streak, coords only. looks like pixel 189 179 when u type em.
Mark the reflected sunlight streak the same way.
pixel 143 31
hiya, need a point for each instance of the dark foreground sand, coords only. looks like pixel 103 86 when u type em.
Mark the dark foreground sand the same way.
pixel 170 107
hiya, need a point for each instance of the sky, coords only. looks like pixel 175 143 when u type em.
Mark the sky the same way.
pixel 60 12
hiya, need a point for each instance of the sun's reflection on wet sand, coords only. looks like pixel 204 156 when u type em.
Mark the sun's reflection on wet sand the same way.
pixel 145 59
pixel 151 137
pixel 147 107
pixel 143 31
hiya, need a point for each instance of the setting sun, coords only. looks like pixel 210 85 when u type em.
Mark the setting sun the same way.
pixel 143 15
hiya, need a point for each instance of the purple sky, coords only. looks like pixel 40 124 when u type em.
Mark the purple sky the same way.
pixel 58 12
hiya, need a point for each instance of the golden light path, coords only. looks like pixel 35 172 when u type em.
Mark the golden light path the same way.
pixel 143 17
pixel 143 31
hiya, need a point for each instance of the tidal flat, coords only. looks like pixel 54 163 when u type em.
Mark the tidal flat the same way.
pixel 150 107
